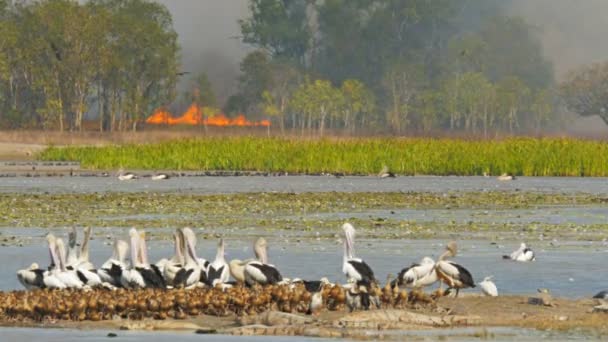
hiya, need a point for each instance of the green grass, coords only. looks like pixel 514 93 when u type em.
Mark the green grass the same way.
pixel 404 156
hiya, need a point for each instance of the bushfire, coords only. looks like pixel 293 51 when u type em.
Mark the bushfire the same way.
pixel 194 116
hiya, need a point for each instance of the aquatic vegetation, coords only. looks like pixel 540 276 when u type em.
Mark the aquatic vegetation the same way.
pixel 404 156
pixel 307 215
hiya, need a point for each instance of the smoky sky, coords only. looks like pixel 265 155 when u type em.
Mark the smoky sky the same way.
pixel 573 33
pixel 208 34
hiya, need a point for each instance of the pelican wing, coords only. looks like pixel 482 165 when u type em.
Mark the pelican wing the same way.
pixel 463 274
pixel 363 270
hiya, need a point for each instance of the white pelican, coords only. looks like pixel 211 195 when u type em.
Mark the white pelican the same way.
pixel 386 173
pixel 260 271
pixel 601 295
pixel 488 287
pixel 454 275
pixel 151 274
pixel 237 269
pixel 505 177
pixel 111 270
pixel 195 267
pixel 173 267
pixel 160 176
pixel 123 176
pixel 418 275
pixel 69 277
pixel 218 271
pixel 31 277
pixel 130 277
pixel 354 268
pixel 523 254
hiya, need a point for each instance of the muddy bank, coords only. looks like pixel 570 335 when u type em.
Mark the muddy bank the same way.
pixel 478 313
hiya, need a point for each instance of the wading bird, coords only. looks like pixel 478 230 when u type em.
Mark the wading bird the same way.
pixel 353 267
pixel 451 273
pixel 488 287
pixel 523 254
pixel 259 271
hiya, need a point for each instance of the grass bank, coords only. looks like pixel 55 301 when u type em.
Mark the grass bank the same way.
pixel 404 156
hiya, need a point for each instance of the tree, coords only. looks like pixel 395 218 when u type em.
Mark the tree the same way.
pixel 428 106
pixel 256 77
pixel 542 107
pixel 585 90
pixel 316 101
pixel 402 81
pixel 358 104
pixel 279 27
pixel 284 81
pixel 512 96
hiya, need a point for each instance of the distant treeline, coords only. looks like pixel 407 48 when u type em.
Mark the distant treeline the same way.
pixel 60 59
pixel 394 65
pixel 353 156
pixel 358 66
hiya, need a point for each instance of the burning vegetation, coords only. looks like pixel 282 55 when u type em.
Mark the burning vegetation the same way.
pixel 195 115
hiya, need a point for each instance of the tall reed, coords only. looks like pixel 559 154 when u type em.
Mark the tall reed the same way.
pixel 405 156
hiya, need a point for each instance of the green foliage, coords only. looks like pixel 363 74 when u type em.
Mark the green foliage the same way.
pixel 60 57
pixel 201 91
pixel 519 156
pixel 585 91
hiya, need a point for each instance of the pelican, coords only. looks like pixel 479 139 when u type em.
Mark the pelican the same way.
pixel 505 177
pixel 418 275
pixel 454 275
pixel 49 278
pixel 354 268
pixel 160 176
pixel 218 271
pixel 126 175
pixel 523 254
pixel 488 287
pixel 601 295
pixel 385 173
pixel 79 259
pixel 111 271
pixel 70 278
pixel 141 274
pixel 32 277
pixel 195 267
pixel 174 268
pixel 260 271
pixel 237 269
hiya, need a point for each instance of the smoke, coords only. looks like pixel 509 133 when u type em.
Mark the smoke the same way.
pixel 209 37
pixel 573 32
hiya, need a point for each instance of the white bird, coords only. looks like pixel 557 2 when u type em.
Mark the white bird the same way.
pixel 353 267
pixel 505 177
pixel 451 273
pixel 418 275
pixel 141 274
pixel 260 271
pixel 123 176
pixel 69 277
pixel 523 254
pixel 488 287
pixel 31 277
pixel 195 267
pixel 111 270
pixel 218 271
pixel 50 279
pixel 174 268
pixel 160 176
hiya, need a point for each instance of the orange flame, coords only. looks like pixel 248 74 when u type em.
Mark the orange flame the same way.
pixel 194 116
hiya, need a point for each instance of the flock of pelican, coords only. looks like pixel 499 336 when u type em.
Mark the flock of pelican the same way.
pixel 71 269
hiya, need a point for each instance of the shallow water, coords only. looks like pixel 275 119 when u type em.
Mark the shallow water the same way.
pixel 569 269
pixel 206 185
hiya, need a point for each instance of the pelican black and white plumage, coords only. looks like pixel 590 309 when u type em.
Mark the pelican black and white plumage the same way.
pixel 195 267
pixel 523 254
pixel 160 176
pixel 111 270
pixel 601 295
pixel 218 271
pixel 451 273
pixel 141 274
pixel 386 173
pixel 174 267
pixel 260 271
pixel 70 278
pixel 418 275
pixel 354 268
pixel 488 287
pixel 31 277
pixel 123 176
